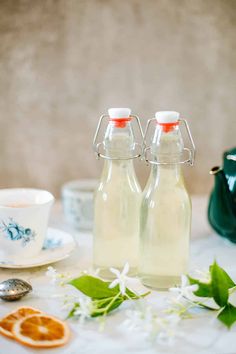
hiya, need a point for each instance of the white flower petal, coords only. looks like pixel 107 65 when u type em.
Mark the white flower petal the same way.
pixel 115 271
pixel 179 297
pixel 114 283
pixel 122 288
pixel 97 271
pixel 193 287
pixel 175 290
pixel 184 281
pixel 125 269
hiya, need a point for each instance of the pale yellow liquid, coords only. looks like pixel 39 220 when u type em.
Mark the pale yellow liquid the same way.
pixel 165 228
pixel 116 224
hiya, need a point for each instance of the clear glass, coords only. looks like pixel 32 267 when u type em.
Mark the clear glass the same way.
pixel 117 205
pixel 165 215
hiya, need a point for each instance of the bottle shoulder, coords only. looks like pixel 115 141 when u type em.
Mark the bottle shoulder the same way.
pixel 119 186
pixel 118 172
pixel 158 188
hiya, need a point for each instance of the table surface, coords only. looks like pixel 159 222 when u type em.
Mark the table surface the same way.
pixel 203 334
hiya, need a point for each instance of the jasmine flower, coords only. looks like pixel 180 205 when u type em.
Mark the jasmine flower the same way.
pixel 185 290
pixel 84 309
pixel 121 278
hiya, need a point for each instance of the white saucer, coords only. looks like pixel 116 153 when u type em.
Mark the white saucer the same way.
pixel 57 246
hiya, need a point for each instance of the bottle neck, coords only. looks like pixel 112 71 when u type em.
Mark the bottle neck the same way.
pixel 167 147
pixel 167 144
pixel 119 139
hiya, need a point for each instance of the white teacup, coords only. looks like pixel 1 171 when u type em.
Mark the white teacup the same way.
pixel 24 215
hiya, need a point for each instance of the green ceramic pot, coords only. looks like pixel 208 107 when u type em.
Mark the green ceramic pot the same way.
pixel 222 203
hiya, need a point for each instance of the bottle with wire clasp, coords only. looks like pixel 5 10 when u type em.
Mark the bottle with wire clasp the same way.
pixel 118 196
pixel 165 218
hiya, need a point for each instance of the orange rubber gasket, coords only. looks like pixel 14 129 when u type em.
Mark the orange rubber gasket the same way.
pixel 120 122
pixel 167 127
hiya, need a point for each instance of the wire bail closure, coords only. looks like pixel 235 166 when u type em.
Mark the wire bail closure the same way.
pixel 191 151
pixel 97 145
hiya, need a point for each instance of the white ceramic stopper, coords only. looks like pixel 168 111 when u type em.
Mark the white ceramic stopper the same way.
pixel 167 116
pixel 119 112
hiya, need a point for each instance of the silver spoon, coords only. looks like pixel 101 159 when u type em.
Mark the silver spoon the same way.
pixel 14 289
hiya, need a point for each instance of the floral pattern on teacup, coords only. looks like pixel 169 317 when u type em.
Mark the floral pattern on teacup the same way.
pixel 51 243
pixel 13 231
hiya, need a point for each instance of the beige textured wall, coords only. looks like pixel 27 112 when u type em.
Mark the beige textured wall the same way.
pixel 63 62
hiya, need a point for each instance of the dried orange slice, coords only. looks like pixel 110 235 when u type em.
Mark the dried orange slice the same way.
pixel 41 331
pixel 7 322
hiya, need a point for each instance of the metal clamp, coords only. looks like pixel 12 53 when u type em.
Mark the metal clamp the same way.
pixel 97 145
pixel 191 152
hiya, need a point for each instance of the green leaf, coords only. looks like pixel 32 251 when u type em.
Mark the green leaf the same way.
pixel 94 287
pixel 99 289
pixel 220 285
pixel 228 280
pixel 204 289
pixel 228 315
pixel 131 294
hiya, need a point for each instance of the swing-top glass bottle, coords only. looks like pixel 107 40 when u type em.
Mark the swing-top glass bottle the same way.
pixel 118 196
pixel 166 206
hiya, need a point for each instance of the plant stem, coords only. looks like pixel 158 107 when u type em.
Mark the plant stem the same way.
pixel 101 301
pixel 200 304
pixel 137 296
pixel 111 303
pixel 104 310
pixel 144 295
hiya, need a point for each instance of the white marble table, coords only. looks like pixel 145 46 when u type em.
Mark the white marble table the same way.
pixel 202 334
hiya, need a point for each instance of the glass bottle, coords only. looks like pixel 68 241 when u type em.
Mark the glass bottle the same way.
pixel 166 207
pixel 117 198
